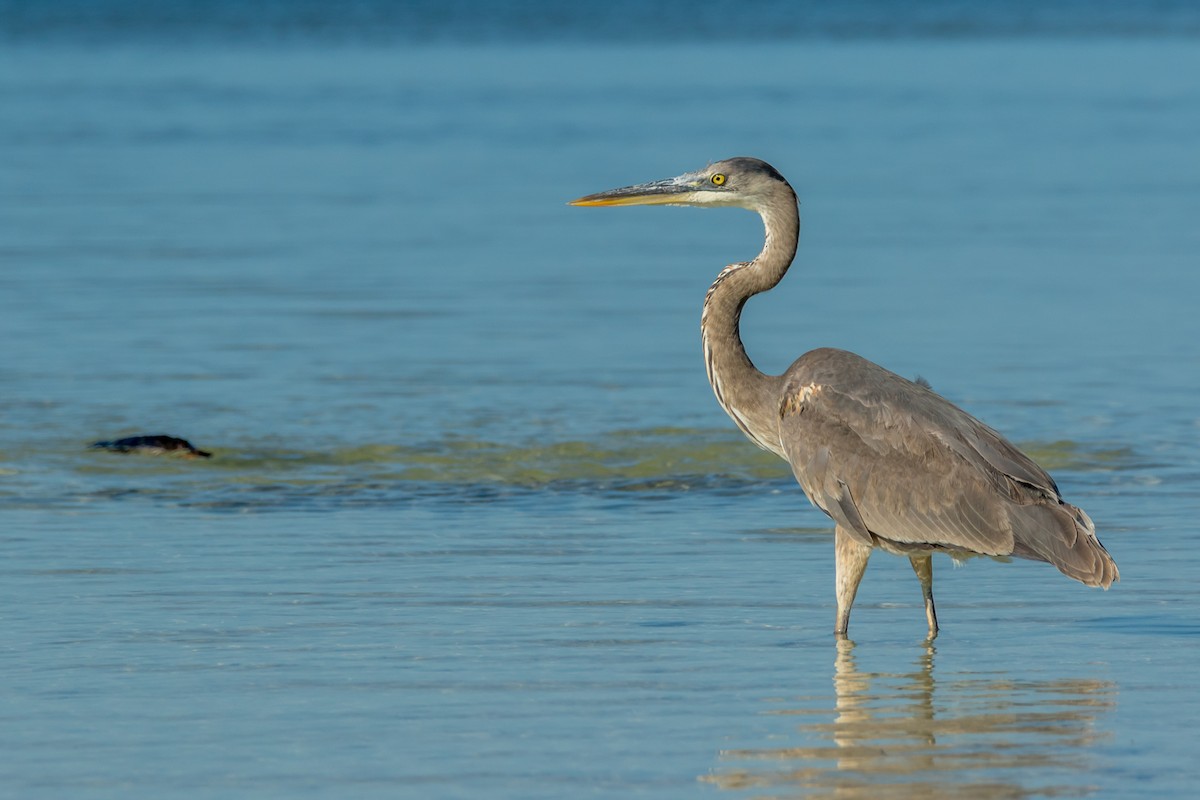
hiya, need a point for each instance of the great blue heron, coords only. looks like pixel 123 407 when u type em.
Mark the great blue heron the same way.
pixel 894 464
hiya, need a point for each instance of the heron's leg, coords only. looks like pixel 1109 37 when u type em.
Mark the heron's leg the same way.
pixel 852 558
pixel 923 566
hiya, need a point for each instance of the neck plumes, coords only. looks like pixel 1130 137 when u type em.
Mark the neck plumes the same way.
pixel 749 397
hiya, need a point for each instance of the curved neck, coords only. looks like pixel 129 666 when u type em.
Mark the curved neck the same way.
pixel 750 397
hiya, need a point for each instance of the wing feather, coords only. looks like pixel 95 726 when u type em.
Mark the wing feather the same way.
pixel 913 469
pixel 899 466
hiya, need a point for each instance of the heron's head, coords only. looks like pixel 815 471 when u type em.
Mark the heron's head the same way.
pixel 741 182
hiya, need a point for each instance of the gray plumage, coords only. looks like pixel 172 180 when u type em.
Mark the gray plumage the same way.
pixel 894 464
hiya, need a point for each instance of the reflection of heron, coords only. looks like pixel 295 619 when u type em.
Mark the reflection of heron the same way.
pixel 910 735
pixel 894 464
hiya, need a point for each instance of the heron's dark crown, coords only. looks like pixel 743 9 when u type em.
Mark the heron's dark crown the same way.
pixel 749 165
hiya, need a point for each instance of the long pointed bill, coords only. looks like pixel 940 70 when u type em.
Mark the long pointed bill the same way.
pixel 665 192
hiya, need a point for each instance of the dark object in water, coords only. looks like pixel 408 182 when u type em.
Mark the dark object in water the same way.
pixel 153 446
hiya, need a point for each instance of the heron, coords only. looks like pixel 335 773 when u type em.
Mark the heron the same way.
pixel 894 464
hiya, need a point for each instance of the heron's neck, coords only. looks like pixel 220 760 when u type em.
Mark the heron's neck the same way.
pixel 749 396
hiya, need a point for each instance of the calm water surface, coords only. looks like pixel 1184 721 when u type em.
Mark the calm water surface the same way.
pixel 475 526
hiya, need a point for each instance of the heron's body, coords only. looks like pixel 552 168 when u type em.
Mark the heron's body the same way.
pixel 894 464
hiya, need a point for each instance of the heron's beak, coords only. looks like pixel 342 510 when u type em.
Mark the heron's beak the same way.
pixel 665 192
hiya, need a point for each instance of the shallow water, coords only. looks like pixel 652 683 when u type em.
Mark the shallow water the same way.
pixel 475 525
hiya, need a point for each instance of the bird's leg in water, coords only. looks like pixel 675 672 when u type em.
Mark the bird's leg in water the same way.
pixel 923 566
pixel 852 558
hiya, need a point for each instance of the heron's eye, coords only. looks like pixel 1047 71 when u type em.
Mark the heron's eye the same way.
pixel 718 179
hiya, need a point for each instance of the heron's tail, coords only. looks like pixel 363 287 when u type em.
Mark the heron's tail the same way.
pixel 1063 535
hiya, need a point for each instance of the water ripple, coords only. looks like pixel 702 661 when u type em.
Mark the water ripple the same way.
pixel 644 464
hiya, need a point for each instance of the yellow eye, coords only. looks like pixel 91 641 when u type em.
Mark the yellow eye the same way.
pixel 718 179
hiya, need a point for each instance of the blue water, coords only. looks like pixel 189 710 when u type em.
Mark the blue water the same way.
pixel 474 525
